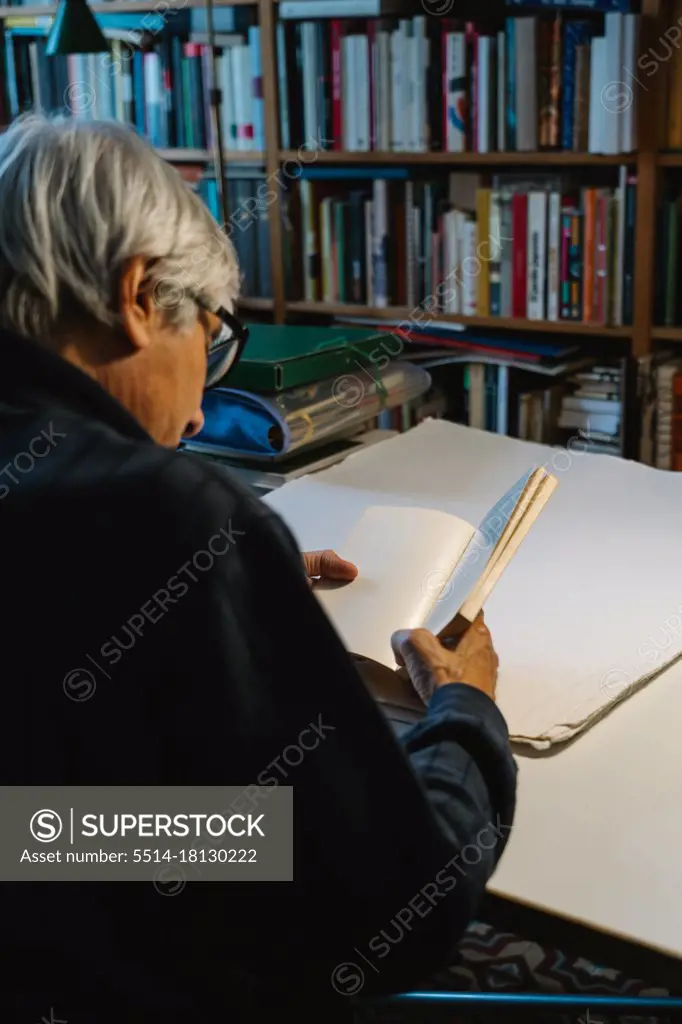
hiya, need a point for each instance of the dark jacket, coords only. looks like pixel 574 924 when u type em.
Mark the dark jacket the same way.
pixel 96 521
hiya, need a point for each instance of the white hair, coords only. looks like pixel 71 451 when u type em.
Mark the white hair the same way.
pixel 78 199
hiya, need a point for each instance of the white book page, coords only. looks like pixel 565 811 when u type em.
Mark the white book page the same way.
pixel 405 557
pixel 468 571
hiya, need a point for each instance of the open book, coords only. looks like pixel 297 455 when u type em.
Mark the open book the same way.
pixel 424 567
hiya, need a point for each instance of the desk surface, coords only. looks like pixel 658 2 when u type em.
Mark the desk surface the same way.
pixel 598 832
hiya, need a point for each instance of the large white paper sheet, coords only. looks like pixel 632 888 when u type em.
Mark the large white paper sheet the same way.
pixel 590 607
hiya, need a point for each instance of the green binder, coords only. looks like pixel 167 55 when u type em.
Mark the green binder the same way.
pixel 279 357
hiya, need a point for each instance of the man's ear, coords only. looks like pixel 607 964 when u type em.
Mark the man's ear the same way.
pixel 139 313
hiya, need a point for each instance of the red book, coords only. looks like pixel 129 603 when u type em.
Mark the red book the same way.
pixel 337 115
pixel 519 253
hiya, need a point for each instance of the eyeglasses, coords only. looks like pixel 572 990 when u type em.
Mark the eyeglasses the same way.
pixel 226 346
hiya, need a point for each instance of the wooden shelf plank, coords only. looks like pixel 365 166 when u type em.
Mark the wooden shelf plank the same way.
pixel 118 7
pixel 666 333
pixel 255 305
pixel 499 322
pixel 669 159
pixel 204 155
pixel 327 156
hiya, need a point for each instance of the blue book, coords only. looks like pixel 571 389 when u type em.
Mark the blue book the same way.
pixel 510 64
pixel 351 173
pixel 575 34
pixel 180 138
pixel 621 6
pixel 138 90
pixel 11 71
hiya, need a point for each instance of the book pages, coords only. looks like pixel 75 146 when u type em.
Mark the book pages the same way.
pixel 590 610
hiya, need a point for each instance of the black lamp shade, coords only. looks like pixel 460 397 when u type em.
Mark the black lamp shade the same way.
pixel 75 30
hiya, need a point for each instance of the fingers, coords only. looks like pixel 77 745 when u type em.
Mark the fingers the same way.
pixel 329 565
pixel 399 642
pixel 410 642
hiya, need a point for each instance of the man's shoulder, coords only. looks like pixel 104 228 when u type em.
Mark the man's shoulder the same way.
pixel 186 489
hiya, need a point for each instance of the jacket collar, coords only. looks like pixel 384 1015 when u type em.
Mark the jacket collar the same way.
pixel 32 376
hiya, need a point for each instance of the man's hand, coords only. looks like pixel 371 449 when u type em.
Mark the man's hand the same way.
pixel 430 663
pixel 327 565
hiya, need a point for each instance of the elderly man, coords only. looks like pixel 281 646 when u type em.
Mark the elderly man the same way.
pixel 117 292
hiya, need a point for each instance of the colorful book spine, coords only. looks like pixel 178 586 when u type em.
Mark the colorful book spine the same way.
pixel 575 33
pixel 519 253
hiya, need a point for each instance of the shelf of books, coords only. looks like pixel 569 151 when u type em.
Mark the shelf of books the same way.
pixel 501 185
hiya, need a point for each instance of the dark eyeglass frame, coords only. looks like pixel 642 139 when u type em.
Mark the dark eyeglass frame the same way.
pixel 225 349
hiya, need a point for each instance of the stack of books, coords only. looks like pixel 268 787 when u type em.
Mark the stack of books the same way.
pixel 593 411
pixel 418 84
pixel 541 248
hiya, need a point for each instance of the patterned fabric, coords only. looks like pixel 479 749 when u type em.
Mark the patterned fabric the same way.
pixel 493 961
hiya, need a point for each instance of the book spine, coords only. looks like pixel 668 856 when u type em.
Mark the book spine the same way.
pixel 629 250
pixel 483 251
pixel 565 308
pixel 502 411
pixel 310 113
pixel 601 255
pixel 554 256
pixel 537 234
pixel 340 240
pixel 282 87
pixel 597 132
pixel 575 266
pixel 630 59
pixel 384 48
pixel 506 255
pixel 483 73
pixel 423 60
pixel 469 280
pixel 510 38
pixel 581 101
pixel 258 105
pixel 369 235
pixel 356 247
pixel 612 114
pixel 519 250
pixel 152 93
pixel 381 242
pixel 363 98
pixel 409 242
pixel 495 254
pixel 590 212
pixel 472 50
pixel 554 113
pixel 501 93
pixel 526 84
pixel 455 92
pixel 373 85
pixel 311 256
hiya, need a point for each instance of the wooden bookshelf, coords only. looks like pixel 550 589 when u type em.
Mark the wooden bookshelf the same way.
pixel 120 7
pixel 666 333
pixel 200 156
pixel 548 159
pixel 498 322
pixel 650 163
pixel 669 159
